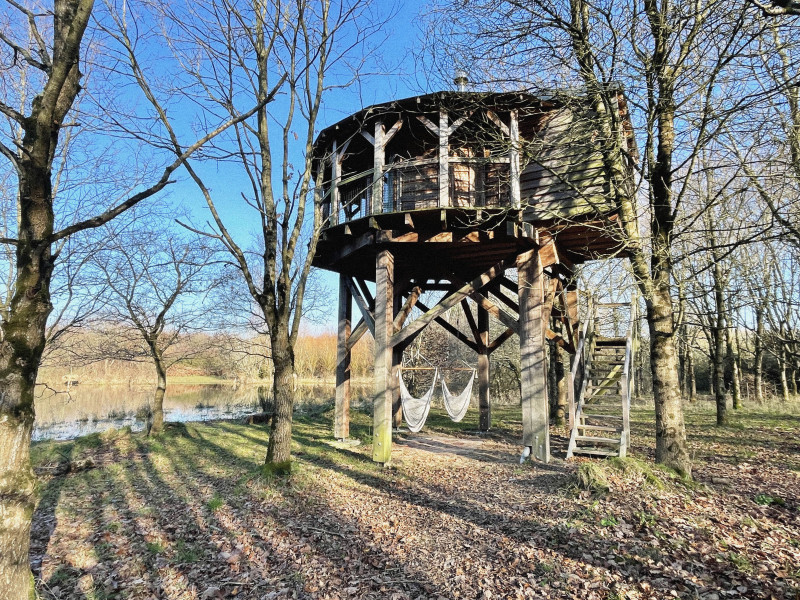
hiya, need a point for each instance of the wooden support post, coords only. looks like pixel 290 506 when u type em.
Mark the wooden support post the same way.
pixel 384 326
pixel 397 360
pixel 513 159
pixel 341 429
pixel 377 175
pixel 533 366
pixel 484 406
pixel 444 160
pixel 336 176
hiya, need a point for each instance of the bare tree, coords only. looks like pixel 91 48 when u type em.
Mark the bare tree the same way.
pixel 45 46
pixel 284 49
pixel 672 59
pixel 156 286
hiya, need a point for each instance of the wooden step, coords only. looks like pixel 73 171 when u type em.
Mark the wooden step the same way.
pixel 597 440
pixel 607 342
pixel 594 416
pixel 607 362
pixel 596 451
pixel 599 428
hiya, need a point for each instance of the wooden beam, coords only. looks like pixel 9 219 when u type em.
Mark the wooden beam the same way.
pixel 392 132
pixel 430 125
pixel 484 405
pixel 501 339
pixel 505 299
pixel 362 285
pixel 451 329
pixel 457 123
pixel 549 299
pixel 369 318
pixel 496 312
pixel 496 120
pixel 358 332
pixel 341 428
pixel 444 160
pixel 379 158
pixel 382 401
pixel 336 176
pixel 533 366
pixel 471 321
pixel 447 303
pixel 404 311
pixel 513 157
pixel 362 241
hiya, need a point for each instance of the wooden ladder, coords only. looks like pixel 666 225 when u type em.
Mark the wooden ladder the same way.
pixel 600 390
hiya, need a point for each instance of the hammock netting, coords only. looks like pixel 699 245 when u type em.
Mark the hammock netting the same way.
pixel 415 410
pixel 457 405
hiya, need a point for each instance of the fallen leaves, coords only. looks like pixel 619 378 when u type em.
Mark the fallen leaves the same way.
pixel 189 519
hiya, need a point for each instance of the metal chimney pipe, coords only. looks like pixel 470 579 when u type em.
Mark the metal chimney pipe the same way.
pixel 461 80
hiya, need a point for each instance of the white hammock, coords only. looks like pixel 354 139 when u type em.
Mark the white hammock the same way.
pixel 457 405
pixel 415 410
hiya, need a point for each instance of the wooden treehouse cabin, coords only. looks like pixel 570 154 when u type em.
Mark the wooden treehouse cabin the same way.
pixel 452 192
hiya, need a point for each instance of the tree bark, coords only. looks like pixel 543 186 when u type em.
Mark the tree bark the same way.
pixel 25 327
pixel 784 381
pixel 280 437
pixel 671 447
pixel 157 409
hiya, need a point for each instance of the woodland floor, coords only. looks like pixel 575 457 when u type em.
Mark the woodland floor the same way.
pixel 190 515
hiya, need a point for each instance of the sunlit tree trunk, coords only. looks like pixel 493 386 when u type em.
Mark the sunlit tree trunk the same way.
pixel 157 408
pixel 280 437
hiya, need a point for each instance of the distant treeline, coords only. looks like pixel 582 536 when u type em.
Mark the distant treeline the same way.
pixel 106 355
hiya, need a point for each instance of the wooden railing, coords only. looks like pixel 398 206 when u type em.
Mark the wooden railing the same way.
pixel 593 330
pixel 578 376
pixel 413 185
pixel 626 383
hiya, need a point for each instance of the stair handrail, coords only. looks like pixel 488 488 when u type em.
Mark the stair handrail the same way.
pixel 627 378
pixel 578 376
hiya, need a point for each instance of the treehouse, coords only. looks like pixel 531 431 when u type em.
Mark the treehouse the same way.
pixel 449 192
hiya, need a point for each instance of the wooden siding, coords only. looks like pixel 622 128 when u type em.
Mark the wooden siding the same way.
pixel 564 176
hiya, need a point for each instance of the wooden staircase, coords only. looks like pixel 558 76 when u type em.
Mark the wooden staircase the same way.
pixel 600 389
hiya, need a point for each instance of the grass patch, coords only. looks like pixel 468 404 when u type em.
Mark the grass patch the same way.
pixel 154 547
pixel 767 500
pixel 215 503
pixel 592 477
pixel 186 553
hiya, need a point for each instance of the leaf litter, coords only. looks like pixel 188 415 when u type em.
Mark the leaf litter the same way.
pixel 191 515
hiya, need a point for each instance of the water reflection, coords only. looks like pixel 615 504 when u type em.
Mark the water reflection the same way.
pixel 88 409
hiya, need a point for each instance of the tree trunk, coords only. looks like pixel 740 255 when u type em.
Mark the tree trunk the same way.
pixel 732 358
pixel 758 356
pixel 20 355
pixel 692 377
pixel 157 409
pixel 280 437
pixel 784 382
pixel 671 448
pixel 718 331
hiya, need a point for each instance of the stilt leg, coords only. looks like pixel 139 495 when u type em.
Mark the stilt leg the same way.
pixel 533 366
pixel 341 428
pixel 484 406
pixel 384 328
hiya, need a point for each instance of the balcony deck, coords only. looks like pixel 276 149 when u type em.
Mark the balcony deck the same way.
pixel 463 179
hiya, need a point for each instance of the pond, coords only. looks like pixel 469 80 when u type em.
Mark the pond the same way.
pixel 87 409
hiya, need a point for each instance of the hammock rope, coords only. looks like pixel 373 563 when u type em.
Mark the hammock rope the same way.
pixel 457 405
pixel 415 410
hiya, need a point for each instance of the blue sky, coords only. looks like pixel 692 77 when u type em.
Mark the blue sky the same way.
pixel 394 76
